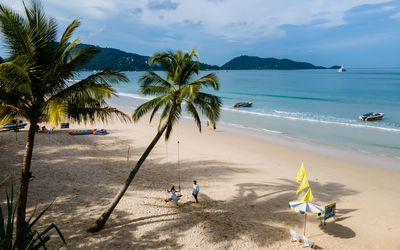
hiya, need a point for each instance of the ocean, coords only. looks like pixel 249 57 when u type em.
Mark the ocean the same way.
pixel 320 106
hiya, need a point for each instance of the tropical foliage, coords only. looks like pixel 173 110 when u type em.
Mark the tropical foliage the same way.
pixel 177 91
pixel 36 80
pixel 33 239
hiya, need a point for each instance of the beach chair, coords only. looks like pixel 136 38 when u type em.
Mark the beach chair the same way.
pixel 307 242
pixel 329 212
pixel 65 125
pixel 295 236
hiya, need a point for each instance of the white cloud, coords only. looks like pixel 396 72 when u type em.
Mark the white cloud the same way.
pixel 99 31
pixel 397 15
pixel 258 18
pixel 230 19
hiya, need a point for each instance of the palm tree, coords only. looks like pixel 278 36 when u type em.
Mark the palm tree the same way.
pixel 177 89
pixel 36 81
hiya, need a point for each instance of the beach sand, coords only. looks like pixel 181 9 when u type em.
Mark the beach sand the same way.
pixel 245 186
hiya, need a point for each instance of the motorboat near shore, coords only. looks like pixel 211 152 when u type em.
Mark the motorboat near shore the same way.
pixel 372 116
pixel 243 105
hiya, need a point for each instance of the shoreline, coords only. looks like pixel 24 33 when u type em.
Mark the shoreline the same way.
pixel 370 159
pixel 374 159
pixel 307 132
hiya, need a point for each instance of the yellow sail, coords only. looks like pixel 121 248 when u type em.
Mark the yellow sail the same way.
pixel 301 174
pixel 308 196
pixel 304 184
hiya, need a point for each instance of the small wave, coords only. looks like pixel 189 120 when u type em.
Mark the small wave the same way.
pixel 284 96
pixel 272 131
pixel 284 115
pixel 250 128
pixel 134 96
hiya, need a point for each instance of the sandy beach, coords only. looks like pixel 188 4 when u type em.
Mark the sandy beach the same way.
pixel 245 186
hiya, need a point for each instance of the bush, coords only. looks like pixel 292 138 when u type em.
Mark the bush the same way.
pixel 31 239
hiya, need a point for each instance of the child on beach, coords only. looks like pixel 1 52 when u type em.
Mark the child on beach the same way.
pixel 174 196
pixel 196 190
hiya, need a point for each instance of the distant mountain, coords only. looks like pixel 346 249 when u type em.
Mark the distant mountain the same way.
pixel 254 62
pixel 115 59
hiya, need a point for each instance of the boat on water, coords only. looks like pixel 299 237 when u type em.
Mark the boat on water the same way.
pixel 243 105
pixel 341 69
pixel 372 116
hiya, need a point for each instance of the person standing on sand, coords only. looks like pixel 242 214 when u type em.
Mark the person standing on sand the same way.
pixel 208 124
pixel 196 190
pixel 214 127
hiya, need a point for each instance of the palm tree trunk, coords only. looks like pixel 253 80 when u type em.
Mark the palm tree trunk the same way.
pixel 101 221
pixel 23 190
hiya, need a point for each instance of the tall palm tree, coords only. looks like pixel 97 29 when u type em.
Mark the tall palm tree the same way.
pixel 177 89
pixel 36 81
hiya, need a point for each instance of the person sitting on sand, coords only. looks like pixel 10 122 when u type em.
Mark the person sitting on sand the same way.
pixel 196 190
pixel 174 196
pixel 45 130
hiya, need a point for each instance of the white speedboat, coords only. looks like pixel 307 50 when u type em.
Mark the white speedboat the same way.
pixel 372 116
pixel 341 69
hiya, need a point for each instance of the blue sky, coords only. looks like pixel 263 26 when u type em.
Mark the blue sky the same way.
pixel 353 33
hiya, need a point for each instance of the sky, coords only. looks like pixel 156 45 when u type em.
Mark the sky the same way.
pixel 353 33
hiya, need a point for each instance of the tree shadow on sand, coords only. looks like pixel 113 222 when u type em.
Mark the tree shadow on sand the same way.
pixel 258 213
pixel 97 166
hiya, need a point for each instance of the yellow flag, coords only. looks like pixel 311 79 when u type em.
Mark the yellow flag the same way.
pixel 309 196
pixel 304 184
pixel 301 174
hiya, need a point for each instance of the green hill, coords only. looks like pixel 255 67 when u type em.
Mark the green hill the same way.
pixel 254 62
pixel 115 59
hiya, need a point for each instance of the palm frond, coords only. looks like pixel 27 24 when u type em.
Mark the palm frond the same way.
pixel 152 78
pixel 97 85
pixel 190 91
pixel 191 109
pixel 145 108
pixel 9 112
pixel 154 90
pixel 67 36
pixel 55 111
pixel 14 76
pixel 209 80
pixel 163 101
pixel 14 30
pixel 209 105
pixel 89 113
pixel 173 116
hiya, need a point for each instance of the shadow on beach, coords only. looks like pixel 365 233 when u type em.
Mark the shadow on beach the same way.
pixel 85 173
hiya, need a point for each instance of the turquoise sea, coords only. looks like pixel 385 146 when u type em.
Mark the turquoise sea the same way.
pixel 316 105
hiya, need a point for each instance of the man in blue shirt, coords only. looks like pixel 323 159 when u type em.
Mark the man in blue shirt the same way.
pixel 196 190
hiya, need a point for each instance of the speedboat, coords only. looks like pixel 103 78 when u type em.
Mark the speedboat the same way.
pixel 243 105
pixel 341 69
pixel 15 125
pixel 372 116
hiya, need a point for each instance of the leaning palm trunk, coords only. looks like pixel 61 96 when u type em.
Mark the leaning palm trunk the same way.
pixel 23 191
pixel 101 221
